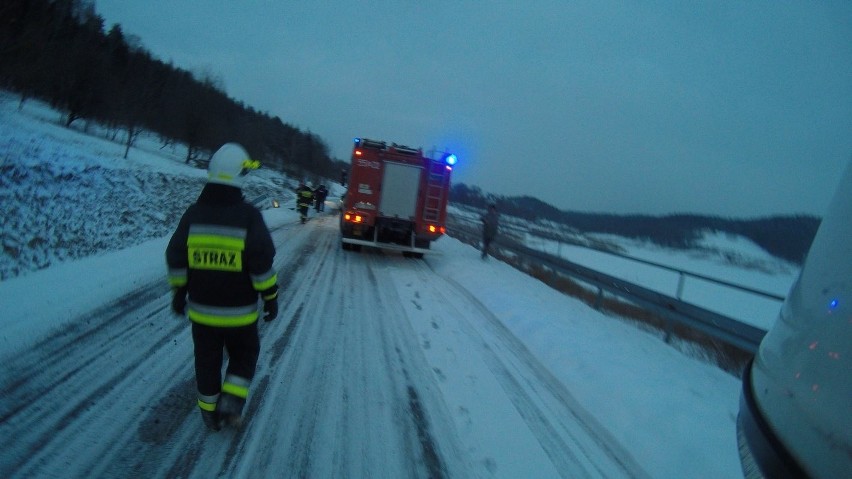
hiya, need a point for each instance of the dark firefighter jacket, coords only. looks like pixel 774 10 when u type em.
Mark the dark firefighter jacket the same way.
pixel 490 223
pixel 321 193
pixel 304 196
pixel 222 254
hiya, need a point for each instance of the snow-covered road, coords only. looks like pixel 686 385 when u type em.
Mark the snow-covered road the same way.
pixel 378 366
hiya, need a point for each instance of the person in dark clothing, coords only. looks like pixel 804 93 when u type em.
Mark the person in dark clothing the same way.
pixel 304 198
pixel 490 224
pixel 321 193
pixel 219 262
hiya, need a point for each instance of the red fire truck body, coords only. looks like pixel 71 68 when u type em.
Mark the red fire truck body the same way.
pixel 396 198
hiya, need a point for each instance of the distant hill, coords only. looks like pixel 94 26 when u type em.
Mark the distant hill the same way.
pixel 786 237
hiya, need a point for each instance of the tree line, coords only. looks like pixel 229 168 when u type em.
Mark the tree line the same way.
pixel 59 52
pixel 788 237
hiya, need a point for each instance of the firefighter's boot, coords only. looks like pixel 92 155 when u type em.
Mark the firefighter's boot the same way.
pixel 211 420
pixel 230 409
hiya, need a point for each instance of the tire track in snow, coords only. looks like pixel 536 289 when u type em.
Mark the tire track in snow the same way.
pixel 343 387
pixel 50 353
pixel 52 389
pixel 303 294
pixel 336 395
pixel 58 381
pixel 563 427
pixel 434 448
pixel 294 294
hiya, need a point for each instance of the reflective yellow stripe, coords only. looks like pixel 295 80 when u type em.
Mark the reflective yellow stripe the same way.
pixel 268 283
pixel 215 241
pixel 233 389
pixel 177 277
pixel 271 296
pixel 222 176
pixel 206 405
pixel 222 321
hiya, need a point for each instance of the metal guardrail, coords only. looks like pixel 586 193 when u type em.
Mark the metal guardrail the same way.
pixel 672 309
pixel 684 274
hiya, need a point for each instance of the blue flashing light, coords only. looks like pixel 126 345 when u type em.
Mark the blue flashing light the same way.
pixel 357 140
pixel 833 304
pixel 451 159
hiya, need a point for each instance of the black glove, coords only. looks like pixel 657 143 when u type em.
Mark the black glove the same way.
pixel 179 301
pixel 270 308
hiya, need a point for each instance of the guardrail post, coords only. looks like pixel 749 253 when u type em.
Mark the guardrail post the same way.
pixel 599 299
pixel 680 281
pixel 668 331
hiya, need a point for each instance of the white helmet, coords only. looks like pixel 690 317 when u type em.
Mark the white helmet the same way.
pixel 229 165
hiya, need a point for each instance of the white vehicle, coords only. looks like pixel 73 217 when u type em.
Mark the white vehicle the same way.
pixel 795 416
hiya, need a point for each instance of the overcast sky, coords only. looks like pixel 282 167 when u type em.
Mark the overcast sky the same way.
pixel 736 109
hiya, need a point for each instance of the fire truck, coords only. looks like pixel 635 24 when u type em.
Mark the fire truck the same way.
pixel 396 198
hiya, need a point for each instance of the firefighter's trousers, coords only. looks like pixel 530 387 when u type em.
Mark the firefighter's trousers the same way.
pixel 242 344
pixel 486 245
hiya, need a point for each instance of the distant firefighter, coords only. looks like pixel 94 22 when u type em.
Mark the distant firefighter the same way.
pixel 320 194
pixel 490 224
pixel 304 199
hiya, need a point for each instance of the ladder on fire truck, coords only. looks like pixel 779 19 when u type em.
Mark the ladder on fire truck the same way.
pixel 434 191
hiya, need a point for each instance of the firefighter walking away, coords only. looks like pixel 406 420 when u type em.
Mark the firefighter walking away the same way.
pixel 219 263
pixel 320 195
pixel 304 200
pixel 490 224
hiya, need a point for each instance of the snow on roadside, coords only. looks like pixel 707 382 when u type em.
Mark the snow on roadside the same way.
pixel 68 194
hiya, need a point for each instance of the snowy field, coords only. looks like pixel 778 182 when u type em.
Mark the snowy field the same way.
pixel 738 268
pixel 85 227
pixel 730 259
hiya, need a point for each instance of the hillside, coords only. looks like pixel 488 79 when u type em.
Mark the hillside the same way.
pixel 786 237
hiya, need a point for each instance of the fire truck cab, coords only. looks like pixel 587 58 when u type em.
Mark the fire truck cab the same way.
pixel 396 198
